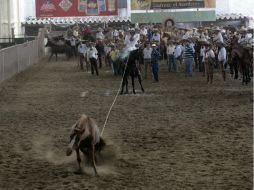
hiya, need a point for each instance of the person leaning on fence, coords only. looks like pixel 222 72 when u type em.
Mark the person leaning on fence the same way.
pixel 209 61
pixel 147 58
pixel 155 58
pixel 92 56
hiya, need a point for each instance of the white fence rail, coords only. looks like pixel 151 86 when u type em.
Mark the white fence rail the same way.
pixel 17 58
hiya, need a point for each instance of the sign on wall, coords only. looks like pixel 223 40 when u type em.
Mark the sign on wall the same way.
pixel 171 4
pixel 72 8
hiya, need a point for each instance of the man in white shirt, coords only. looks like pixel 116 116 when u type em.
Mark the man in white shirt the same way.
pixel 115 34
pixel 222 58
pixel 218 36
pixel 156 36
pixel 143 31
pixel 178 54
pixel 73 46
pixel 92 56
pixel 171 57
pixel 147 58
pixel 99 34
pixel 209 57
pixel 131 40
pixel 82 49
pixel 186 35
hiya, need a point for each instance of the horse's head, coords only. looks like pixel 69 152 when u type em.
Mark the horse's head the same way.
pixel 50 42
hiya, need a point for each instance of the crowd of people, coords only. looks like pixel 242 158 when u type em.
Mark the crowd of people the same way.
pixel 183 49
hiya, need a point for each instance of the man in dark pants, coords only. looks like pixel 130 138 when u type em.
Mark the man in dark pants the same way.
pixel 73 46
pixel 155 58
pixel 93 56
pixel 101 53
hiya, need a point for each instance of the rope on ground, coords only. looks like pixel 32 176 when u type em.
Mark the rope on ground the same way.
pixel 106 120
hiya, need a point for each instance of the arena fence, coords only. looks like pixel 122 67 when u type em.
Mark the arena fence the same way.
pixel 19 57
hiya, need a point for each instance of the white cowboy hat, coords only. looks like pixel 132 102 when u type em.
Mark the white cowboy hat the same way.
pixel 217 29
pixel 153 45
pixel 100 29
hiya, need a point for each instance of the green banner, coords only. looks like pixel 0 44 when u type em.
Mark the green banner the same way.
pixel 188 16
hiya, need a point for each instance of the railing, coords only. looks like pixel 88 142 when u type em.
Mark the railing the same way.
pixel 19 57
pixel 7 42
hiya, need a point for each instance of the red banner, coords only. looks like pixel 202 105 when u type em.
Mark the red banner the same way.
pixel 75 8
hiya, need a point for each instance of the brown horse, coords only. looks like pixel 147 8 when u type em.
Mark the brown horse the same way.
pixel 85 136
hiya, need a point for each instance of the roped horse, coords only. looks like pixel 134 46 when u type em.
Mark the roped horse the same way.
pixel 85 136
pixel 131 68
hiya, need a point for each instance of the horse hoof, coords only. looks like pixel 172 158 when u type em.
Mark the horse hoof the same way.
pixel 68 151
pixel 79 172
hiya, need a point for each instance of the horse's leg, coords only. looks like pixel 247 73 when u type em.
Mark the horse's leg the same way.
pixel 243 73
pixel 123 83
pixel 126 83
pixel 133 83
pixel 248 73
pixel 56 56
pixel 50 56
pixel 235 65
pixel 140 82
pixel 78 159
pixel 93 159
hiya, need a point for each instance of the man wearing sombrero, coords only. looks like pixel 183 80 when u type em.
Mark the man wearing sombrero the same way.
pixel 218 36
pixel 222 58
pixel 131 40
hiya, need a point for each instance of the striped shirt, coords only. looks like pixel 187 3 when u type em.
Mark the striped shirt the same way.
pixel 188 52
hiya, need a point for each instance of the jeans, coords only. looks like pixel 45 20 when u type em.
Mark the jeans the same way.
pixel 147 64
pixel 188 66
pixel 93 62
pixel 115 67
pixel 155 68
pixel 171 63
pixel 200 64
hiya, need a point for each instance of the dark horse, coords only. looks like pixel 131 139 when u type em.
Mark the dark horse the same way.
pixel 57 48
pixel 131 68
pixel 241 57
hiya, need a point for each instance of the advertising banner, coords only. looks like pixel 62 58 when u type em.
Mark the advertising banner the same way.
pixel 75 8
pixel 171 4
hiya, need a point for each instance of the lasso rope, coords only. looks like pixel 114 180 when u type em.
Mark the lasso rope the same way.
pixel 106 120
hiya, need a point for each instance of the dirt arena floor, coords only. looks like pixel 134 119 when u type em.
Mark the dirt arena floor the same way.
pixel 181 134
